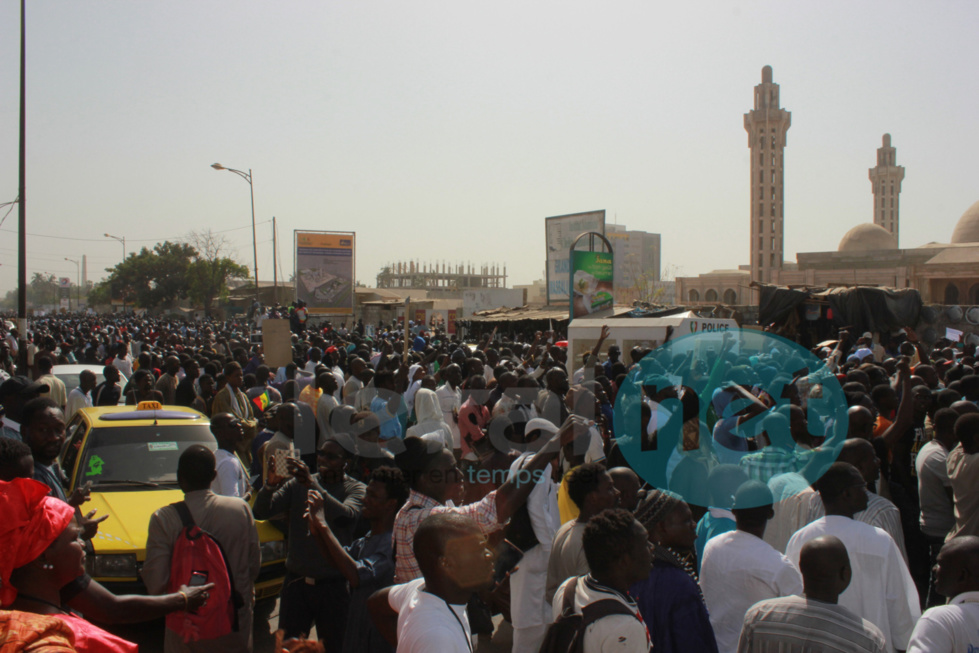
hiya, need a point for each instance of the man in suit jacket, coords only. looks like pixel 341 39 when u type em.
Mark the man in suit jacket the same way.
pixel 230 399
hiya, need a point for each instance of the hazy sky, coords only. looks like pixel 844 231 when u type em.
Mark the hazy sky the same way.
pixel 448 130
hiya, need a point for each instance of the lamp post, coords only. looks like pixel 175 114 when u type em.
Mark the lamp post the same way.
pixel 121 240
pixel 78 285
pixel 247 176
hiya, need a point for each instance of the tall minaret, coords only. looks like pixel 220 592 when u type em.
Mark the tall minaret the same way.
pixel 766 125
pixel 886 179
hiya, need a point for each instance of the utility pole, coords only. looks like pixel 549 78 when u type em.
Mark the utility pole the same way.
pixel 22 204
pixel 275 267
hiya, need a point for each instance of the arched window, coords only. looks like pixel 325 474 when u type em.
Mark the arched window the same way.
pixel 694 295
pixel 951 293
pixel 710 295
pixel 974 294
pixel 730 297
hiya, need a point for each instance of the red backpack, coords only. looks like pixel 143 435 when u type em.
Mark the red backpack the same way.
pixel 198 559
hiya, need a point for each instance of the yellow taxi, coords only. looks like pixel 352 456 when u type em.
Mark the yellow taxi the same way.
pixel 129 455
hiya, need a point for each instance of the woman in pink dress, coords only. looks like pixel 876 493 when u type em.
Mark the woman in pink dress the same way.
pixel 41 551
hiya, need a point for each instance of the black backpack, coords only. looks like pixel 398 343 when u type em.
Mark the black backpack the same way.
pixel 567 634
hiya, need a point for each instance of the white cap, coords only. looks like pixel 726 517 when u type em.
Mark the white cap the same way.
pixel 540 424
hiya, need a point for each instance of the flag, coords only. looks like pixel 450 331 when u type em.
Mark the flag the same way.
pixel 262 401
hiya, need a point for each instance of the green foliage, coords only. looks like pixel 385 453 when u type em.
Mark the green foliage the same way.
pixel 170 272
pixel 209 280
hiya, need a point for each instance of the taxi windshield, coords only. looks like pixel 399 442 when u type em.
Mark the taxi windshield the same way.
pixel 139 455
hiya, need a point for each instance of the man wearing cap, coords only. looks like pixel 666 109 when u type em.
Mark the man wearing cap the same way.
pixel 15 392
pixel 739 568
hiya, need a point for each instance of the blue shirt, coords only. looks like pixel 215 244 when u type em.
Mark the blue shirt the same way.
pixel 391 426
pixel 374 555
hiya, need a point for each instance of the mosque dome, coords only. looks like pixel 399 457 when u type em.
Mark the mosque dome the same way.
pixel 870 237
pixel 967 228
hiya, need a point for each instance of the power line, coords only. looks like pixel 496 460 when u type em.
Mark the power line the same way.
pixel 135 240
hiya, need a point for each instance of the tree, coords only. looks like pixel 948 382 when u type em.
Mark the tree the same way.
pixel 151 278
pixel 45 289
pixel 209 273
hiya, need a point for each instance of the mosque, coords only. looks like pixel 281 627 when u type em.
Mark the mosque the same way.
pixel 868 254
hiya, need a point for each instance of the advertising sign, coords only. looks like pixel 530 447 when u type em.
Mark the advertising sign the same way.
pixel 559 232
pixel 325 271
pixel 64 282
pixel 450 326
pixel 591 282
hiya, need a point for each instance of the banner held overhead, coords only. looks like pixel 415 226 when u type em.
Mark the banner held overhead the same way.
pixel 325 271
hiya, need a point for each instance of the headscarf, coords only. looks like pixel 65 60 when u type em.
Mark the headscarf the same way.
pixel 427 406
pixel 32 520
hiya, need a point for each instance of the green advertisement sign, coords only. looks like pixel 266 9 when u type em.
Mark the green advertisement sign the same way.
pixel 592 282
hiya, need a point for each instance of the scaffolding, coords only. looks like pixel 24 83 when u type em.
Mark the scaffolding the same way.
pixel 441 276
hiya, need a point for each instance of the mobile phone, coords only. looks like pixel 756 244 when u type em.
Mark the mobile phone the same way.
pixel 87 487
pixel 197 578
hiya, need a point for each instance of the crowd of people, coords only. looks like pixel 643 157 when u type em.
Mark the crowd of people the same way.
pixel 425 485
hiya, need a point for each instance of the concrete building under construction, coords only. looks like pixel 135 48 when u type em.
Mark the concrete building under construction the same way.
pixel 441 276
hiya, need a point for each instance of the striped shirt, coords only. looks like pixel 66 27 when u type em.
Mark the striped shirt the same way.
pixel 418 507
pixel 795 624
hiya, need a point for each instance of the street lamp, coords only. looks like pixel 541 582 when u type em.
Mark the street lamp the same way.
pixel 121 240
pixel 247 176
pixel 78 285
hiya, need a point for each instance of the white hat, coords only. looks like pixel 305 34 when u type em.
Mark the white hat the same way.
pixel 540 424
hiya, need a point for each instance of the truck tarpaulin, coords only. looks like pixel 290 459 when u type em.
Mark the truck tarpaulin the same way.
pixel 864 308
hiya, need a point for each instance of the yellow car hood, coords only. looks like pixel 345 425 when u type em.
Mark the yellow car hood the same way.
pixel 129 514
pixel 129 518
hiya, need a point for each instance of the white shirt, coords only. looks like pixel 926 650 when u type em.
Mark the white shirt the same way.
pixel 882 591
pixel 739 570
pixel 325 406
pixel 450 399
pixel 77 399
pixel 428 623
pixel 542 503
pixel 614 633
pixel 937 509
pixel 231 479
pixel 124 365
pixel 792 498
pixel 880 513
pixel 350 390
pixel 529 606
pixel 953 627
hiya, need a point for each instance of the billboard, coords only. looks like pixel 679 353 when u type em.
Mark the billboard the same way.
pixel 559 233
pixel 592 281
pixel 325 271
